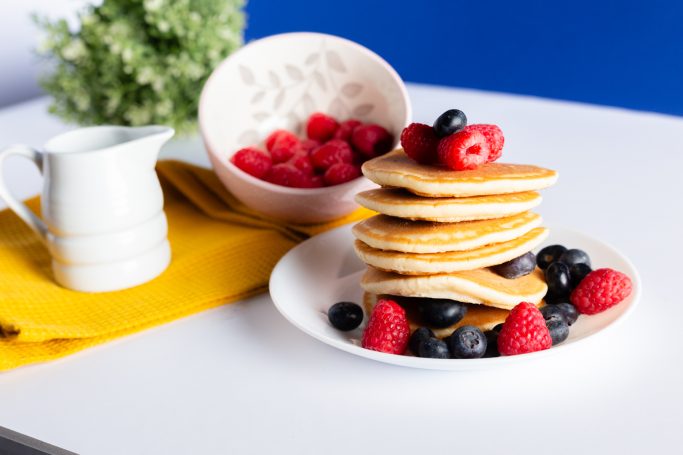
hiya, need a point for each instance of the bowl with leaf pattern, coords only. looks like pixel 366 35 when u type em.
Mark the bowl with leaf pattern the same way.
pixel 277 82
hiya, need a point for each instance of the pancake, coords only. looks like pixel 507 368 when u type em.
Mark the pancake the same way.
pixel 481 286
pixel 480 316
pixel 402 204
pixel 452 261
pixel 396 170
pixel 389 233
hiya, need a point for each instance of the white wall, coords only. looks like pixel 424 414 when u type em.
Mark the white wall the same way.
pixel 19 65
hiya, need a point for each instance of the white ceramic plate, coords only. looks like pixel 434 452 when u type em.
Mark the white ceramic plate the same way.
pixel 324 270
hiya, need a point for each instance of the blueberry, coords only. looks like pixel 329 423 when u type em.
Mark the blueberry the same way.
pixel 553 299
pixel 345 315
pixel 557 278
pixel 491 343
pixel 559 331
pixel 523 265
pixel 578 272
pixel 553 313
pixel 549 255
pixel 556 322
pixel 571 314
pixel 417 337
pixel 433 348
pixel 441 313
pixel 467 342
pixel 451 121
pixel 575 256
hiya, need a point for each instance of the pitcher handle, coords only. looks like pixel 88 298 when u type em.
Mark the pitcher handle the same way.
pixel 16 205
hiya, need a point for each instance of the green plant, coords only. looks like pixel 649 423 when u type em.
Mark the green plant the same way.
pixel 136 62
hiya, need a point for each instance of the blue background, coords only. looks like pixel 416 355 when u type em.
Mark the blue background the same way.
pixel 619 53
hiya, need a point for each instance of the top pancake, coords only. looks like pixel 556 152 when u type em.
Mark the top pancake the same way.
pixel 396 170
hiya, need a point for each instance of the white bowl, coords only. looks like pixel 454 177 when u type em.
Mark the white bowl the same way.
pixel 277 82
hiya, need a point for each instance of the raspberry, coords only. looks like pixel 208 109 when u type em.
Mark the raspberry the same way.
pixel 524 331
pixel 372 140
pixel 463 150
pixel 340 173
pixel 281 153
pixel 420 142
pixel 314 181
pixel 287 175
pixel 253 161
pixel 494 138
pixel 346 129
pixel 281 138
pixel 321 127
pixel 301 161
pixel 388 329
pixel 308 145
pixel 310 181
pixel 599 290
pixel 332 152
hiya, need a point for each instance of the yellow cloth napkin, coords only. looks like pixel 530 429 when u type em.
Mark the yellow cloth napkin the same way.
pixel 222 251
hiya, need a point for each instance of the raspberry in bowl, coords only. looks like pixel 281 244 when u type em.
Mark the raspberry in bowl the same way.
pixel 321 159
pixel 288 120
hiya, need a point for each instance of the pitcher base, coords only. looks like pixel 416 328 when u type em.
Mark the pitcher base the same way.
pixel 114 276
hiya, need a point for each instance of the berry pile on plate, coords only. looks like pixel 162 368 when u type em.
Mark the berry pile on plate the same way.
pixel 452 142
pixel 573 289
pixel 331 153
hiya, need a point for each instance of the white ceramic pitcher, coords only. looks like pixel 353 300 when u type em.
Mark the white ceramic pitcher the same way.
pixel 101 206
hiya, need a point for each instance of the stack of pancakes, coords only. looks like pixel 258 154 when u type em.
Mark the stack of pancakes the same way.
pixel 439 231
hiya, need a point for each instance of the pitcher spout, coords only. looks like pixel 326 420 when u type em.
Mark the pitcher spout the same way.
pixel 154 136
pixel 146 142
pixel 159 132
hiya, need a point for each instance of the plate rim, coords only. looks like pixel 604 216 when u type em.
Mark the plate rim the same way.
pixel 455 364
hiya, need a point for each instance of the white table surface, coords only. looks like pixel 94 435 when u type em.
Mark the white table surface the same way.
pixel 239 379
